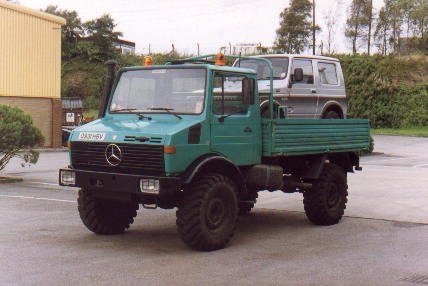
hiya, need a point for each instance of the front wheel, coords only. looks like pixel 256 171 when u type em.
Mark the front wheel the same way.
pixel 325 203
pixel 207 214
pixel 103 216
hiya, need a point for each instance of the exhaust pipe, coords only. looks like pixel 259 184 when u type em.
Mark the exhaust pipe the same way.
pixel 108 84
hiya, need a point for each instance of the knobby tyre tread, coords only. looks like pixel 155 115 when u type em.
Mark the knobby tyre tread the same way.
pixel 192 211
pixel 315 201
pixel 103 216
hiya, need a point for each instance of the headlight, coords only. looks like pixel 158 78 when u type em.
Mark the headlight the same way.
pixel 149 186
pixel 67 178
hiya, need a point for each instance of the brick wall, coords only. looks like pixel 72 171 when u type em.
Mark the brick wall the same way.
pixel 46 114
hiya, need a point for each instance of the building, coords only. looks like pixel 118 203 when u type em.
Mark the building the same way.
pixel 126 47
pixel 30 66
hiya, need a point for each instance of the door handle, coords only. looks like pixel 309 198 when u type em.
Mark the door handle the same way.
pixel 313 90
pixel 248 129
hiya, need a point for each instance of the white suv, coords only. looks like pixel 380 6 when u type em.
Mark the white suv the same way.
pixel 310 86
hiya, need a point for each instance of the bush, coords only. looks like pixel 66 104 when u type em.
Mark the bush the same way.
pixel 392 92
pixel 17 133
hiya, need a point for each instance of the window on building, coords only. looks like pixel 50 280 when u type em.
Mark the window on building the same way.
pixel 328 73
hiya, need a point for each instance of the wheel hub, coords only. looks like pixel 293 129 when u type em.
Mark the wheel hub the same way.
pixel 215 213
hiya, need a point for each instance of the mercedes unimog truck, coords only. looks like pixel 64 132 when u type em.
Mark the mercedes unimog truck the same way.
pixel 190 135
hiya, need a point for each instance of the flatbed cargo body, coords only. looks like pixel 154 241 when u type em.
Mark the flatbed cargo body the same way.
pixel 286 137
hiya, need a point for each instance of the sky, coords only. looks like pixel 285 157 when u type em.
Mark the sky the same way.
pixel 211 23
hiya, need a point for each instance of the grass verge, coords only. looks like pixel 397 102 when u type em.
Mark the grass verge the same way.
pixel 411 131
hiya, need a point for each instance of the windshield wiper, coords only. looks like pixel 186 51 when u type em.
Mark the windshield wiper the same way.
pixel 168 110
pixel 140 115
pixel 123 109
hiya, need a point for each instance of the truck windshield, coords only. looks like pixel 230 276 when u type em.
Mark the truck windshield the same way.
pixel 171 90
pixel 279 65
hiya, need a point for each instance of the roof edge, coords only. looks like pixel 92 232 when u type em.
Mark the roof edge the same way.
pixel 33 12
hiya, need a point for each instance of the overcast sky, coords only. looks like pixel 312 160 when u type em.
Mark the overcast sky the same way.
pixel 211 23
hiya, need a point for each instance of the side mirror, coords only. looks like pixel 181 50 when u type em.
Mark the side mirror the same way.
pixel 248 91
pixel 298 74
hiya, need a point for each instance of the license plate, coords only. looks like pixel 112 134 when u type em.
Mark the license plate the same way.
pixel 92 136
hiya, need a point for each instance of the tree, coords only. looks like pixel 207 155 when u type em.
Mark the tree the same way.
pixel 370 23
pixel 382 31
pixel 295 27
pixel 18 133
pixel 419 18
pixel 330 19
pixel 72 31
pixel 393 11
pixel 358 21
pixel 101 32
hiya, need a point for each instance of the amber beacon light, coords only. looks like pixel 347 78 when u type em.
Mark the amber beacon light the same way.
pixel 220 59
pixel 148 61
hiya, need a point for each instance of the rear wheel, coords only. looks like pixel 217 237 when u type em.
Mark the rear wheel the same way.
pixel 207 214
pixel 325 203
pixel 103 216
pixel 331 115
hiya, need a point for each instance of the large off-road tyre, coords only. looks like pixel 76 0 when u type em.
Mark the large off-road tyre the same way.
pixel 331 115
pixel 207 214
pixel 247 205
pixel 103 216
pixel 325 203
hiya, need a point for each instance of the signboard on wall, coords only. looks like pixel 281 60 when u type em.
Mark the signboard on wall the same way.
pixel 69 117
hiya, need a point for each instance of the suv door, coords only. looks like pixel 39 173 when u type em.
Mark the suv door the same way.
pixel 331 89
pixel 303 98
pixel 235 126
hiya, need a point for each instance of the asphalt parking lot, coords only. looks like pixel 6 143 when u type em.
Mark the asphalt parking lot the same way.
pixel 382 240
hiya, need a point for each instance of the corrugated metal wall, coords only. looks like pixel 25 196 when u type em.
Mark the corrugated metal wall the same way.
pixel 30 54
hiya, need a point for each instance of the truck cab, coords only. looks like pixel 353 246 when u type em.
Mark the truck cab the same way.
pixel 191 135
pixel 318 93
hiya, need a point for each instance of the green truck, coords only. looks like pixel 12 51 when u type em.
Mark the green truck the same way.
pixel 190 135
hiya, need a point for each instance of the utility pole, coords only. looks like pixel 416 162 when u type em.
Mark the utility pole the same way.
pixel 370 27
pixel 313 27
pixel 173 48
pixel 230 48
pixel 150 49
pixel 198 48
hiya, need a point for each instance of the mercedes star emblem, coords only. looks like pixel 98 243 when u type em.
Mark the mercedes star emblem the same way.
pixel 113 154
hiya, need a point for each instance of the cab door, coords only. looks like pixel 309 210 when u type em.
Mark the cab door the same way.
pixel 303 98
pixel 235 120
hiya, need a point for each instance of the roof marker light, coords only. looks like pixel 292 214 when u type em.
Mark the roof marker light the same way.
pixel 148 61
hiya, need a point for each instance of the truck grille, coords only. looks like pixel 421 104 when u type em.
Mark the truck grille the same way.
pixel 136 158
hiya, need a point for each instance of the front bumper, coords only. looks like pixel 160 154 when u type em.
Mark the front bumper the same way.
pixel 119 183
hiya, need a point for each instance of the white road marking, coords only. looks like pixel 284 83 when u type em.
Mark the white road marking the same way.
pixel 42 183
pixel 420 166
pixel 387 160
pixel 36 198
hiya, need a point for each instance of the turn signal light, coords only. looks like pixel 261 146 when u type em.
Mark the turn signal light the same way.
pixel 169 149
pixel 220 59
pixel 148 61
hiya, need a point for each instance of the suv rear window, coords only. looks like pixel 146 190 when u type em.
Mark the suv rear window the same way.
pixel 327 72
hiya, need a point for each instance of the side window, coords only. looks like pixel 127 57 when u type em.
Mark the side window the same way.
pixel 328 73
pixel 228 96
pixel 308 72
